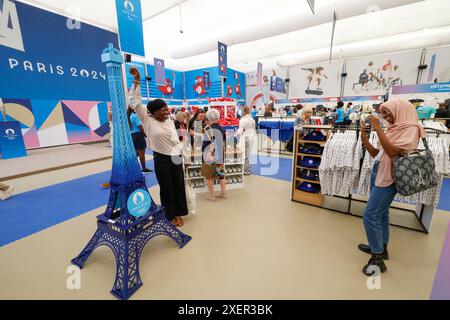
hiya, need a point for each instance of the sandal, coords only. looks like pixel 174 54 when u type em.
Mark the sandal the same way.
pixel 212 199
pixel 179 221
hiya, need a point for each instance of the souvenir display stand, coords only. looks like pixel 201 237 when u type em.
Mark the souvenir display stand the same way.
pixel 234 170
pixel 227 108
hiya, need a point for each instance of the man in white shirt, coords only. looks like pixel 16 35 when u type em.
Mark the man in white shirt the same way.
pixel 247 131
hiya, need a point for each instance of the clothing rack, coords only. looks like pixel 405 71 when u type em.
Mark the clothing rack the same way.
pixel 281 144
pixel 422 212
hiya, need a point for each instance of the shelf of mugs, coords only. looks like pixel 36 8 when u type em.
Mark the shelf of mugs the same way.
pixel 194 172
pixel 198 184
pixel 234 163
pixel 234 180
pixel 233 169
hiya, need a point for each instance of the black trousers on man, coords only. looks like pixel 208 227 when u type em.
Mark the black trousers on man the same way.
pixel 171 183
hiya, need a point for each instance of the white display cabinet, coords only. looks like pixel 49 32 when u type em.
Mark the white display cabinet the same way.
pixel 234 172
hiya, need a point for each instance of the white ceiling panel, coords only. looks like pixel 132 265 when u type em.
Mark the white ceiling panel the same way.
pixel 204 22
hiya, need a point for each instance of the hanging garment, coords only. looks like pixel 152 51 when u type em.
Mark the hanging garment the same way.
pixel 340 164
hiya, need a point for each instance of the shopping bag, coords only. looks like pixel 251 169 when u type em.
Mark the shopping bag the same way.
pixel 190 199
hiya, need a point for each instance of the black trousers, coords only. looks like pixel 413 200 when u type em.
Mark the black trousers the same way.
pixel 171 182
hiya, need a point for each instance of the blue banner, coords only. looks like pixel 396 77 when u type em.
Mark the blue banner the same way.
pixel 206 80
pixel 43 56
pixel 273 82
pixel 223 59
pixel 362 98
pixel 422 88
pixel 129 18
pixel 11 140
pixel 287 101
pixel 318 100
pixel 279 85
pixel 160 71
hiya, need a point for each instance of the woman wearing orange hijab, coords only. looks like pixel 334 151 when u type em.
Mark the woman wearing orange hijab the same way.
pixel 402 136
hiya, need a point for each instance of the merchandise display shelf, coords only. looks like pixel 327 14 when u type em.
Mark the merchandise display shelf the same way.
pixel 310 155
pixel 308 198
pixel 310 181
pixel 235 180
pixel 320 143
pixel 306 168
pixel 315 199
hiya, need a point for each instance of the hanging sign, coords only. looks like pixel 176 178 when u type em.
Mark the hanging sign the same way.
pixel 259 75
pixel 206 80
pixel 222 49
pixel 160 71
pixel 279 85
pixel 129 19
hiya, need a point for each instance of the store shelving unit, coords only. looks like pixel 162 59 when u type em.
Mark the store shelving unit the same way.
pixel 315 199
pixel 234 172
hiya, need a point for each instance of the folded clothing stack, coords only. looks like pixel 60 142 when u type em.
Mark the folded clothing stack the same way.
pixel 315 136
pixel 309 175
pixel 311 148
pixel 309 162
pixel 308 187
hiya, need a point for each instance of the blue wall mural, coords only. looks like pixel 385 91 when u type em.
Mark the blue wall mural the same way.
pixel 173 89
pixel 233 88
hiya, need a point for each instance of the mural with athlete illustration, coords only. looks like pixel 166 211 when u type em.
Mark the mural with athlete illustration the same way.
pixel 315 80
pixel 375 75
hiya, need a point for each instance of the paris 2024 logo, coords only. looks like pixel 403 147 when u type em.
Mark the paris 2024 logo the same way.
pixel 139 203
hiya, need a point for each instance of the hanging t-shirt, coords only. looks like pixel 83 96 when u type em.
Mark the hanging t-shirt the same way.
pixel 426 112
pixel 135 123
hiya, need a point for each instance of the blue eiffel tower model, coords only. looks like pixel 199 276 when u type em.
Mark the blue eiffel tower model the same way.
pixel 131 218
